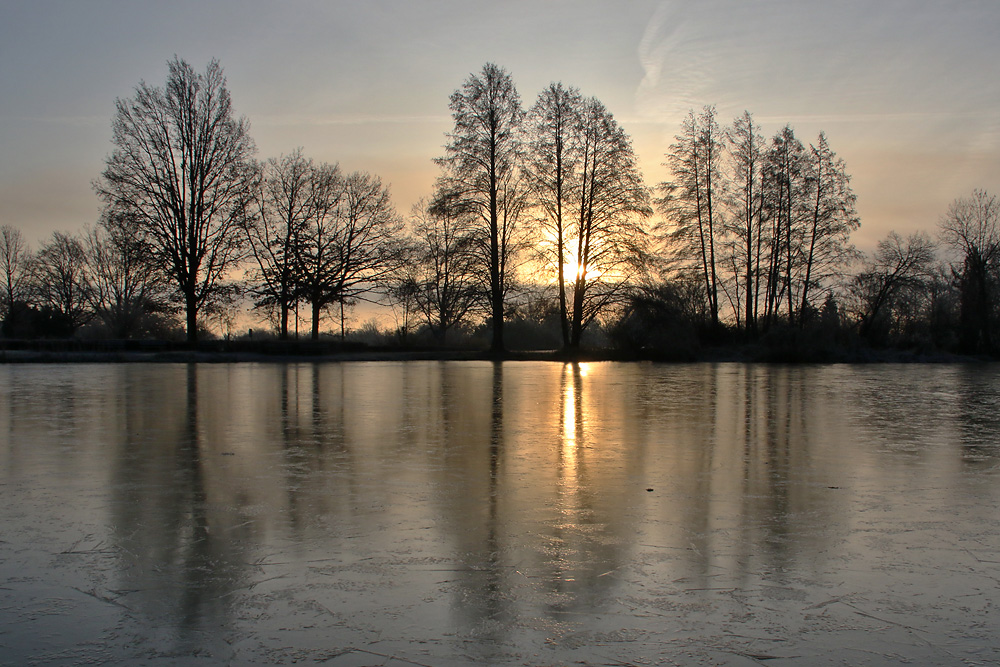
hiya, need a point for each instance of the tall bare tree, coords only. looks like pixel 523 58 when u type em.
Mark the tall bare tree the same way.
pixel 786 202
pixel 285 202
pixel 481 167
pixel 611 206
pixel 744 224
pixel 691 199
pixel 181 165
pixel 15 267
pixel 554 124
pixel 827 249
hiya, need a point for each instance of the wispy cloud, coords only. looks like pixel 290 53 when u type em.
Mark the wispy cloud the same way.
pixel 317 120
pixel 68 121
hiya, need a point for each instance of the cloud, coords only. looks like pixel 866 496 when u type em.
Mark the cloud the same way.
pixel 318 120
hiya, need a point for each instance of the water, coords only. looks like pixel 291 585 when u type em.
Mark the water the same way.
pixel 454 513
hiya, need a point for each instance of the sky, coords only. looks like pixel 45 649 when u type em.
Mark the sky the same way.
pixel 906 90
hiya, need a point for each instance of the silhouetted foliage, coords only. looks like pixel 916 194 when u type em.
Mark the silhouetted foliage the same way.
pixel 662 320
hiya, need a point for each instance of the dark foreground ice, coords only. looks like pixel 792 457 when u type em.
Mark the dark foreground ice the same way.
pixel 456 513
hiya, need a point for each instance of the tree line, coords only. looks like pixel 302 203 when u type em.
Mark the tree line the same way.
pixel 538 213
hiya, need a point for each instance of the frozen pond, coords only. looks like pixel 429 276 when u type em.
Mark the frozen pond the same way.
pixel 524 513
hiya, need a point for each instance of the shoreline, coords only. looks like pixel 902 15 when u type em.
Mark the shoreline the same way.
pixel 213 353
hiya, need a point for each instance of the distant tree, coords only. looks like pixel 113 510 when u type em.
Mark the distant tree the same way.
pixel 481 167
pixel 353 245
pixel 691 202
pixel 15 268
pixel 127 288
pixel 971 229
pixel 896 276
pixel 181 165
pixel 60 279
pixel 285 203
pixel 447 286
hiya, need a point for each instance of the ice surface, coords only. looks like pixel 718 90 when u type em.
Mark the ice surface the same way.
pixel 523 513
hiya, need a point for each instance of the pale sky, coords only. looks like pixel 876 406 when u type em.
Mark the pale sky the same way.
pixel 906 90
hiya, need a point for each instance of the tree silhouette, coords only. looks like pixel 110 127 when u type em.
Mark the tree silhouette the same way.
pixel 445 263
pixel 284 206
pixel 126 286
pixel 896 276
pixel 181 166
pixel 553 155
pixel 15 268
pixel 481 168
pixel 352 246
pixel 60 279
pixel 971 228
pixel 691 199
pixel 612 204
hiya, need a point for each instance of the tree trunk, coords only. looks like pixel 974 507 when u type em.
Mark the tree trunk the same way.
pixel 315 320
pixel 283 328
pixel 191 308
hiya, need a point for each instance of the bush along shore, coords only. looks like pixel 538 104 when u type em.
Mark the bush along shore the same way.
pixel 791 350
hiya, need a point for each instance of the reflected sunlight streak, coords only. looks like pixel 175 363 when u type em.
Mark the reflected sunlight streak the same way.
pixel 571 428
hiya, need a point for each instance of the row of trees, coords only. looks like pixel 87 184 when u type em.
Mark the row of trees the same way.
pixel 182 167
pixel 765 224
pixel 105 274
pixel 904 295
pixel 754 232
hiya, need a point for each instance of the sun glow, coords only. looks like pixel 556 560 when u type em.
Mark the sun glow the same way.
pixel 572 269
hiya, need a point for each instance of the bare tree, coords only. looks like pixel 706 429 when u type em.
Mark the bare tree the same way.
pixel 554 124
pixel 126 286
pixel 744 225
pixel 971 228
pixel 445 267
pixel 353 245
pixel 481 167
pixel 612 203
pixel 284 206
pixel 318 253
pixel 691 199
pixel 181 165
pixel 827 249
pixel 61 282
pixel 15 265
pixel 897 273
pixel 786 203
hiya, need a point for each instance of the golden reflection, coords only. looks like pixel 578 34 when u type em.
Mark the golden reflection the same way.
pixel 571 427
